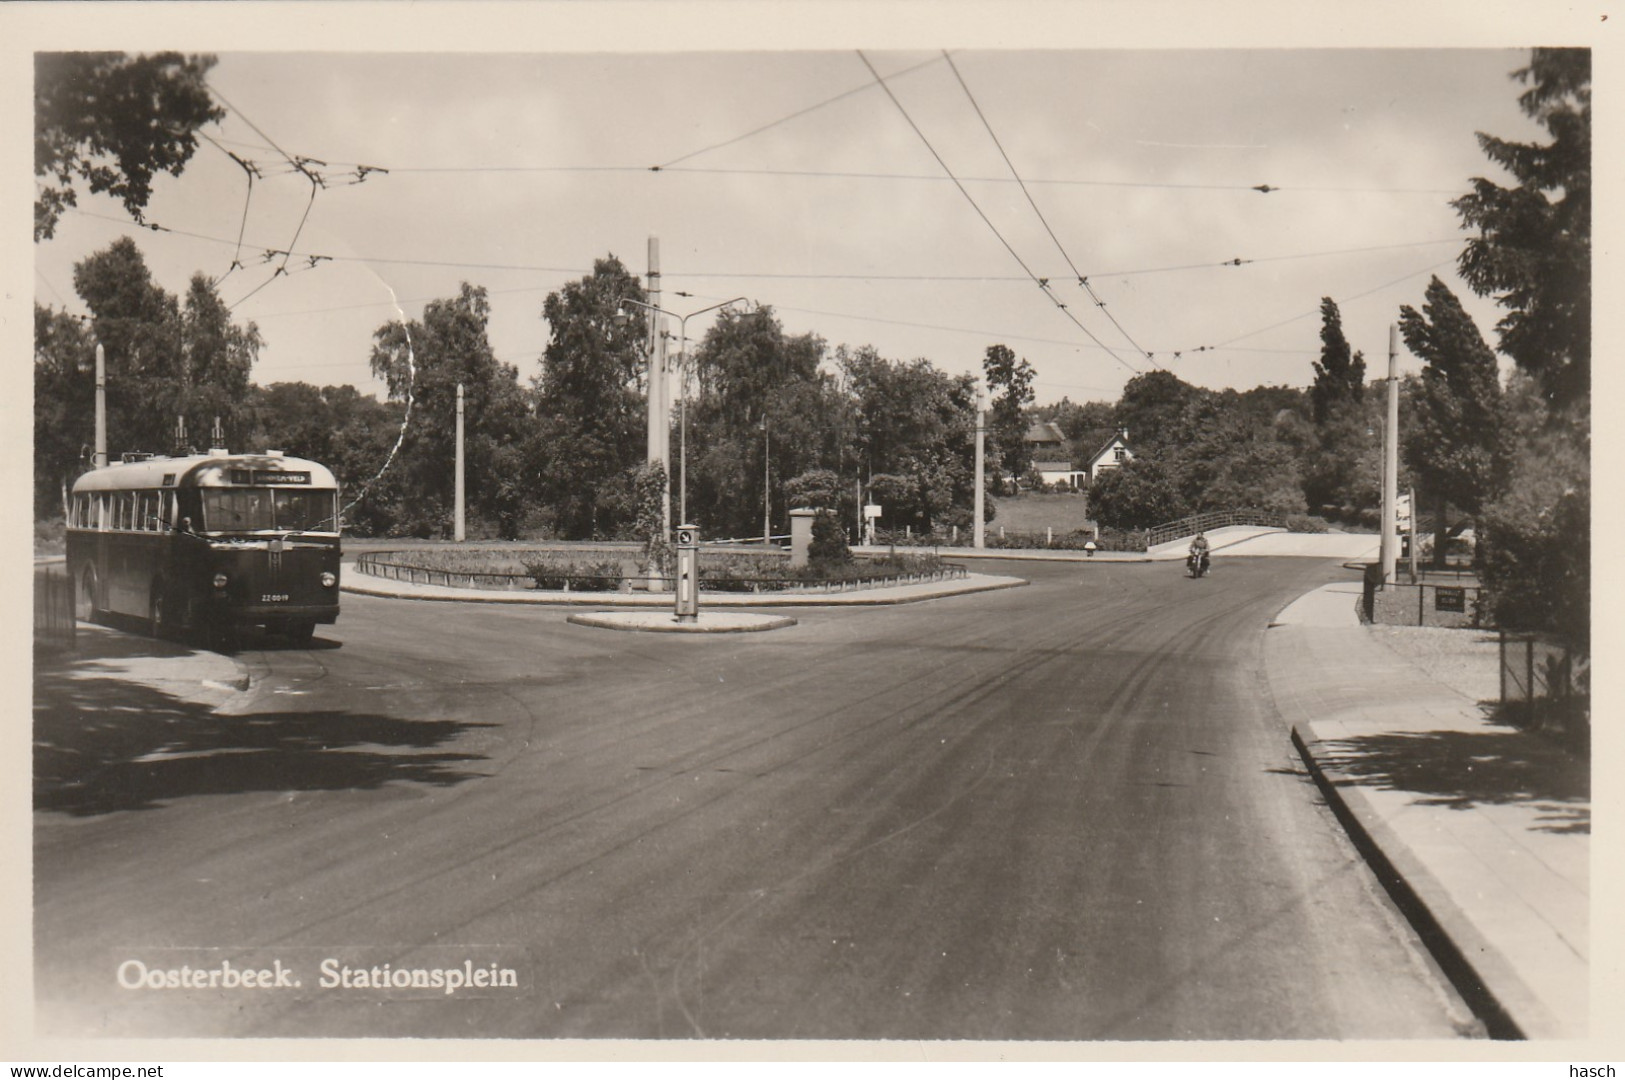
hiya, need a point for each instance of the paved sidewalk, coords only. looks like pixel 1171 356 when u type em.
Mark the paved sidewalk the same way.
pixel 1483 829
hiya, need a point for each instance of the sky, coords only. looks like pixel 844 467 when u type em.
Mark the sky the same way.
pixel 515 170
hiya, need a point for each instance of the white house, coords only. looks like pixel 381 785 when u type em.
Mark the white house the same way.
pixel 1048 447
pixel 1114 453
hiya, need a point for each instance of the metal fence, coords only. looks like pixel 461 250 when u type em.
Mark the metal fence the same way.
pixel 54 625
pixel 1214 519
pixel 1441 598
pixel 1536 668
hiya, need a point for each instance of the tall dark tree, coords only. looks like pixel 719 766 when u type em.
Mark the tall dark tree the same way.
pixel 113 122
pixel 139 326
pixel 217 357
pixel 1533 252
pixel 915 426
pixel 765 414
pixel 1153 408
pixel 1340 372
pixel 427 360
pixel 1454 438
pixel 64 404
pixel 590 406
pixel 1010 385
pixel 1533 248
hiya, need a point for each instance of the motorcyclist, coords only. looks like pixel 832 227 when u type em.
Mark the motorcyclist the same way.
pixel 1198 556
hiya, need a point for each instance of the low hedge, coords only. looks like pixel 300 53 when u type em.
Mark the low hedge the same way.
pixel 576 576
pixel 744 573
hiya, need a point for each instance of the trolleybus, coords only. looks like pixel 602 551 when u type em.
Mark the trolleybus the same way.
pixel 214 541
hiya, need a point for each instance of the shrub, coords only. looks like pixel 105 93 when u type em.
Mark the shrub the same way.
pixel 748 573
pixel 554 573
pixel 50 537
pixel 1306 523
pixel 828 540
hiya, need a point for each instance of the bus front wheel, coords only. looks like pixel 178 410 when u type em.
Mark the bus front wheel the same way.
pixel 299 631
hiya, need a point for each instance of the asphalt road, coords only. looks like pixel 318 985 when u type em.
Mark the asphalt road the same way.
pixel 1066 811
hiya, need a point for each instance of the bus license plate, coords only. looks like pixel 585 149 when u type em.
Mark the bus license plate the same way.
pixel 273 597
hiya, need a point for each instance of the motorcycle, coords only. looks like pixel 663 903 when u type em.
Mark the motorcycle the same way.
pixel 1196 564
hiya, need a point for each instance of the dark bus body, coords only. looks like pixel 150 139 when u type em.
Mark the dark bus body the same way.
pixel 217 541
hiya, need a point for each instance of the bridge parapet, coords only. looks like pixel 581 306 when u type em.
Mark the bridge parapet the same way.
pixel 1213 519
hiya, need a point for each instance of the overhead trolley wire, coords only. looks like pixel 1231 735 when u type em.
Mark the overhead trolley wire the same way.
pixel 1082 280
pixel 752 275
pixel 1042 283
pixel 838 174
pixel 785 119
pixel 1307 314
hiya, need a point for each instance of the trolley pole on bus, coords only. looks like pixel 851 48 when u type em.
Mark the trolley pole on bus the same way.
pixel 101 407
pixel 457 530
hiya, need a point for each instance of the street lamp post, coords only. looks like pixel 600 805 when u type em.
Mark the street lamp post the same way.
pixel 767 484
pixel 682 389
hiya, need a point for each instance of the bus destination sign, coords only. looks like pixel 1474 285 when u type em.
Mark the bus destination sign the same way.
pixel 268 477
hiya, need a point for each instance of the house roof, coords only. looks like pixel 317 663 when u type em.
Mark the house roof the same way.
pixel 1111 444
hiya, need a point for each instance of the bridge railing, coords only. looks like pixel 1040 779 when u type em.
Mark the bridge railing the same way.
pixel 1213 519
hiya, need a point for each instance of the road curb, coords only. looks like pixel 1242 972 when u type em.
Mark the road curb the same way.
pixel 635 601
pixel 1447 935
pixel 734 622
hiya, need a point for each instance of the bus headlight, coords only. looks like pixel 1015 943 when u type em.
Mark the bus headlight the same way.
pixel 329 579
pixel 220 581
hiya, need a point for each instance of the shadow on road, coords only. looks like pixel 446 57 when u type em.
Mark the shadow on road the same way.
pixel 131 637
pixel 103 744
pixel 1461 769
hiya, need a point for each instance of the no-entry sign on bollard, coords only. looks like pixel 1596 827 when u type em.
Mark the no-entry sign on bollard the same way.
pixel 688 573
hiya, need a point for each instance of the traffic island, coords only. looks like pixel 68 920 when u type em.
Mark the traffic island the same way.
pixel 666 622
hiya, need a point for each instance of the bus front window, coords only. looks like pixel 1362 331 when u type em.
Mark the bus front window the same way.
pixel 305 511
pixel 237 510
pixel 269 510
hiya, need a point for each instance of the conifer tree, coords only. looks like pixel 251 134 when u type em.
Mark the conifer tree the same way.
pixel 1454 438
pixel 1339 373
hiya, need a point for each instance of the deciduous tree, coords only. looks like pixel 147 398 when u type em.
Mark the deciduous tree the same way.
pixel 427 360
pixel 590 437
pixel 113 122
pixel 1010 385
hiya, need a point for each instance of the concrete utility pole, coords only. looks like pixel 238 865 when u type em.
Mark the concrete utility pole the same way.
pixel 101 407
pixel 458 532
pixel 978 528
pixel 767 480
pixel 659 391
pixel 656 368
pixel 1388 551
